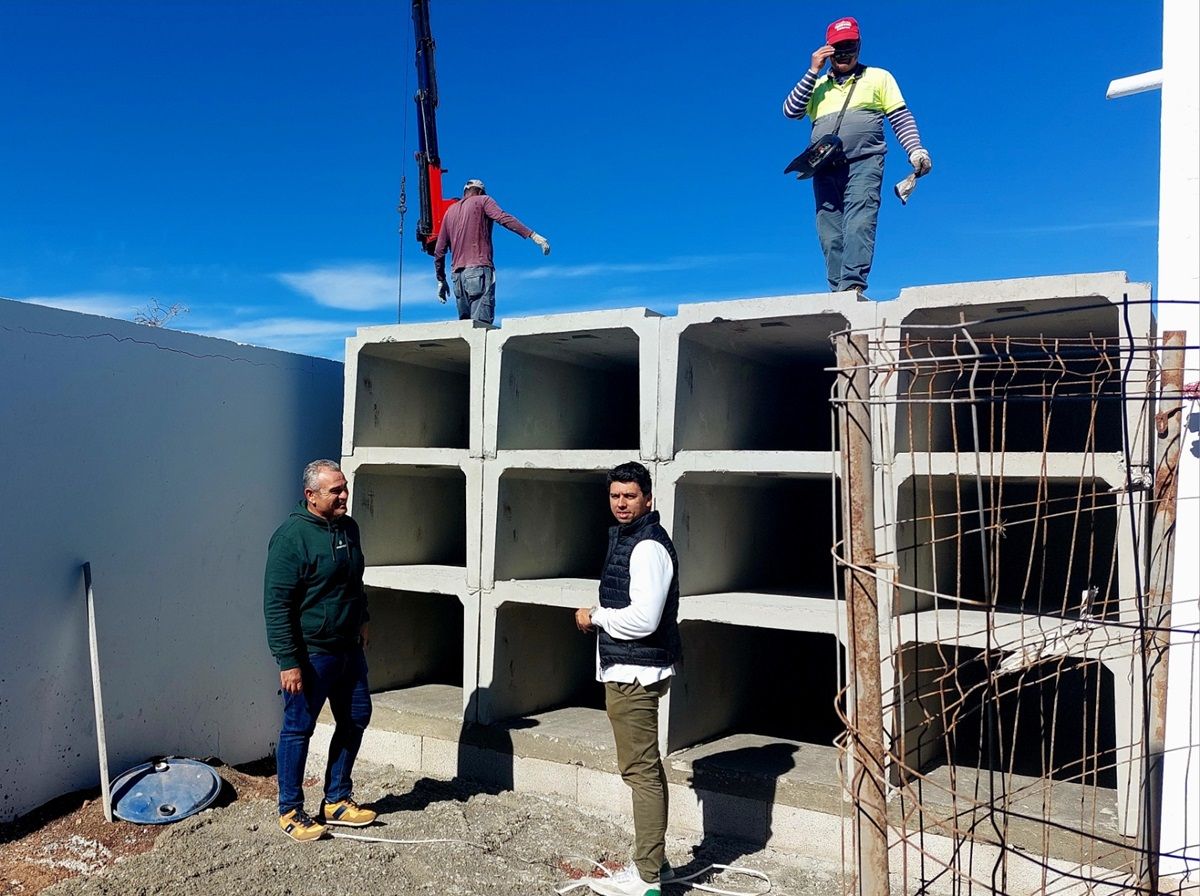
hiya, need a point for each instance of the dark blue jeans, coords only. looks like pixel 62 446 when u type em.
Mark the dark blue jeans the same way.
pixel 475 293
pixel 847 209
pixel 340 678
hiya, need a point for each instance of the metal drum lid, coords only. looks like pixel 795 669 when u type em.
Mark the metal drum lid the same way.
pixel 164 791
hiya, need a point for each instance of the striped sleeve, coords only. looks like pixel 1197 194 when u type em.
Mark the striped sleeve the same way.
pixel 796 104
pixel 905 127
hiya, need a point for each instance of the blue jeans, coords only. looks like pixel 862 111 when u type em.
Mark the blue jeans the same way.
pixel 847 209
pixel 475 293
pixel 340 678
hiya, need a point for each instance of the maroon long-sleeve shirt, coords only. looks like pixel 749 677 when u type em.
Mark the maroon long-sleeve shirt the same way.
pixel 467 233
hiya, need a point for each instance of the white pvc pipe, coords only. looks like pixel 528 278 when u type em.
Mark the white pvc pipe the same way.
pixel 97 699
pixel 1134 84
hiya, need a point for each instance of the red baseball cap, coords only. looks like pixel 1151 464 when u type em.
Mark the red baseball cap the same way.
pixel 842 29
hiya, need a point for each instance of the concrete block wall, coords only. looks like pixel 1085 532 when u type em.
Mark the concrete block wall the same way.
pixel 728 404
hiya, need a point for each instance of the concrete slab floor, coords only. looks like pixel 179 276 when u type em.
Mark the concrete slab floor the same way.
pixel 771 769
pixel 1035 814
pixel 747 765
pixel 433 710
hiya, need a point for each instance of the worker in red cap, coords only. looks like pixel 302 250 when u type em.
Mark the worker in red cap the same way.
pixel 852 101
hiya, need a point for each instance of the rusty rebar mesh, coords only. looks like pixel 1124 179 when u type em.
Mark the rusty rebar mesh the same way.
pixel 1021 535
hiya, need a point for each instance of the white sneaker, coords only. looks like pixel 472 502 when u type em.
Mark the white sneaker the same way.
pixel 626 882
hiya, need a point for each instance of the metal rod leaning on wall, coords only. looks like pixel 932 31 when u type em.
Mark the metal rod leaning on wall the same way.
pixel 868 783
pixel 1156 637
pixel 97 699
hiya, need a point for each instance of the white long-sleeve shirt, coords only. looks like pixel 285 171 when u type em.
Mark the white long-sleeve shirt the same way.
pixel 650 573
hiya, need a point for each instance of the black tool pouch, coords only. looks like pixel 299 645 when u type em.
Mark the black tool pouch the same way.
pixel 825 153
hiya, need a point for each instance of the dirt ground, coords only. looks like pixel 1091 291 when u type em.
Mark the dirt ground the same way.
pixel 506 844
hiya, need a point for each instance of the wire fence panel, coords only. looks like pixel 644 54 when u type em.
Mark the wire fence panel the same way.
pixel 1025 499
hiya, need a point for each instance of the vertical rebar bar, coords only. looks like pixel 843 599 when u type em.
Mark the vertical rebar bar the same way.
pixel 868 784
pixel 1157 636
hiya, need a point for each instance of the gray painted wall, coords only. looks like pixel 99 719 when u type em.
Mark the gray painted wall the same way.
pixel 166 460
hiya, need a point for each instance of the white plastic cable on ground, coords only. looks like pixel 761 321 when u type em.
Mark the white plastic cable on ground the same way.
pixel 367 839
pixel 678 879
pixel 675 880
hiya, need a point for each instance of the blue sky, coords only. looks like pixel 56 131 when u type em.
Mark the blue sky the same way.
pixel 244 158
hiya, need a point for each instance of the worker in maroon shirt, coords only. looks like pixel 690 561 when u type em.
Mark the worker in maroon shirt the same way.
pixel 467 233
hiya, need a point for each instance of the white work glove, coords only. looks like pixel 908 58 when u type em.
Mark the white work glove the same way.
pixel 542 242
pixel 919 159
pixel 443 291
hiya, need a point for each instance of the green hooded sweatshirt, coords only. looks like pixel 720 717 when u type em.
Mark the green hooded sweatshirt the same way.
pixel 313 597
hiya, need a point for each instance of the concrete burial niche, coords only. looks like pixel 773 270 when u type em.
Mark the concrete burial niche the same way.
pixel 1054 719
pixel 758 384
pixel 415 386
pixel 574 382
pixel 411 514
pixel 1057 554
pixel 732 680
pixel 416 639
pixel 549 524
pixel 762 532
pixel 532 660
pixel 1047 372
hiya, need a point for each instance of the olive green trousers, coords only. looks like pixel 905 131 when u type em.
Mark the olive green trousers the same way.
pixel 633 712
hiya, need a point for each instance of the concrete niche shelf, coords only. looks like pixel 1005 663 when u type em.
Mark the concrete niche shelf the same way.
pixel 423 675
pixel 574 382
pixel 546 529
pixel 1041 523
pixel 416 529
pixel 741 533
pixel 415 386
pixel 750 375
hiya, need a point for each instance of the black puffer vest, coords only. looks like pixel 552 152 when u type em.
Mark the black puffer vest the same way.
pixel 662 647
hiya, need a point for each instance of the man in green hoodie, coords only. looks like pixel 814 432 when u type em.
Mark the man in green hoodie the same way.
pixel 316 613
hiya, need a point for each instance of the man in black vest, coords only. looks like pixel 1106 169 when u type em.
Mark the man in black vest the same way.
pixel 636 650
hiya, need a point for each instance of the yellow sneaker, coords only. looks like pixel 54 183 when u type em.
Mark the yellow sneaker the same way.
pixel 298 825
pixel 346 812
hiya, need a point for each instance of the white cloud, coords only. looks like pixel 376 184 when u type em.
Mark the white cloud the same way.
pixel 360 287
pixel 570 272
pixel 105 304
pixel 370 287
pixel 605 269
